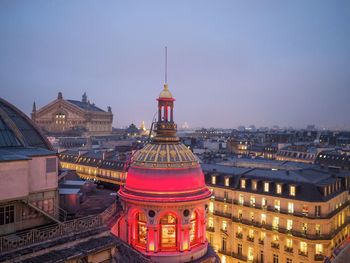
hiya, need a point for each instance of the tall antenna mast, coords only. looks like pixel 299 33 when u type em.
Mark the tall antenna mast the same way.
pixel 166 65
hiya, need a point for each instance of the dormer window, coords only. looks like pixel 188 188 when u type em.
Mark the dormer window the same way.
pixel 266 187
pixel 227 181
pixel 279 189
pixel 213 179
pixel 243 183
pixel 292 190
pixel 254 185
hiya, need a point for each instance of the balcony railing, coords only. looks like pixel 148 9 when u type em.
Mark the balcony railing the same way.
pixel 288 249
pixel 275 245
pixel 261 241
pixel 251 239
pixel 239 256
pixel 295 213
pixel 210 229
pixel 239 235
pixel 42 234
pixel 222 214
pixel 302 253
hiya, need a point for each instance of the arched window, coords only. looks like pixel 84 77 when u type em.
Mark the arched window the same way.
pixel 141 229
pixel 60 118
pixel 168 232
pixel 194 229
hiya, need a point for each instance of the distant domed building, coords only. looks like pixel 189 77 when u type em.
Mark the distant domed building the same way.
pixel 164 198
pixel 73 117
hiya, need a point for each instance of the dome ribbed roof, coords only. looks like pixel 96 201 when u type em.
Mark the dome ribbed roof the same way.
pixel 16 129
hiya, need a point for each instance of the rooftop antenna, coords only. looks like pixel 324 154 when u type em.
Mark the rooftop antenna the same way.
pixel 166 64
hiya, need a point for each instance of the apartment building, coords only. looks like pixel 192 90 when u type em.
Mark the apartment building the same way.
pixel 277 215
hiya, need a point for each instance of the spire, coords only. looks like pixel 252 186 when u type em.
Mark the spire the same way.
pixel 59 96
pixel 84 98
pixel 166 67
pixel 34 107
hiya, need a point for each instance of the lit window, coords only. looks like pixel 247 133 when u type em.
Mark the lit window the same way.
pixel 141 229
pixel 319 249
pixel 211 207
pixel 263 219
pixel 289 243
pixel 292 190
pixel 251 233
pixel 252 201
pixel 240 214
pixel 227 181
pixel 194 229
pixel 251 216
pixel 303 247
pixel 213 179
pixel 279 189
pixel 264 202
pixel 318 229
pixel 243 183
pixel 211 222
pixel 224 225
pixel 241 199
pixel 275 222
pixel 277 205
pixel 289 224
pixel 304 227
pixel 290 207
pixel 168 232
pixel 254 185
pixel 266 187
pixel 250 254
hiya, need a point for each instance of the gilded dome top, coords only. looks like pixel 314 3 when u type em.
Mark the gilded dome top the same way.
pixel 165 155
pixel 166 93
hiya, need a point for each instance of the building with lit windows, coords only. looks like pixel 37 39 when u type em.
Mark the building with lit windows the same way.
pixel 63 116
pixel 283 214
pixel 164 198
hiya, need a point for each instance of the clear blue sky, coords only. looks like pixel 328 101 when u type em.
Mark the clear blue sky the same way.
pixel 230 62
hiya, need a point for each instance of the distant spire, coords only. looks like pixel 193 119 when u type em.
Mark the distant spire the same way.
pixel 34 107
pixel 59 96
pixel 84 98
pixel 166 64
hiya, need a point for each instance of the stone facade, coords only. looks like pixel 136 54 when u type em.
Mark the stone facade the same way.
pixel 66 116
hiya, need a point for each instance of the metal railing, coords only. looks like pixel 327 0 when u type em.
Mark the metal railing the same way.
pixel 41 234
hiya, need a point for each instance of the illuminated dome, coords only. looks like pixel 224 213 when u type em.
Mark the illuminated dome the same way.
pixel 164 198
pixel 17 130
pixel 165 169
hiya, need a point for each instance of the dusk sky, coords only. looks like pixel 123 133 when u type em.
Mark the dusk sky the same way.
pixel 230 63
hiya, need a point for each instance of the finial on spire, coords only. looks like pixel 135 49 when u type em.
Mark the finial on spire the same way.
pixel 166 64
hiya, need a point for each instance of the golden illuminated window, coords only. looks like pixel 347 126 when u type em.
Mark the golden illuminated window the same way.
pixel 252 201
pixel 277 205
pixel 211 222
pixel 141 229
pixel 194 228
pixel 213 179
pixel 241 199
pixel 251 233
pixel 254 185
pixel 243 183
pixel 292 190
pixel 266 187
pixel 289 224
pixel 227 181
pixel 279 189
pixel 168 232
pixel 290 207
pixel 319 249
pixel 275 222
pixel 211 207
pixel 303 247
pixel 289 243
pixel 224 225
pixel 263 219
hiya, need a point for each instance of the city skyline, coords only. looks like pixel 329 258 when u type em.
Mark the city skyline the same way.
pixel 229 63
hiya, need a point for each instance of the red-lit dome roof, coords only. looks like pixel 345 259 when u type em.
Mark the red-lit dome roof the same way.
pixel 165 169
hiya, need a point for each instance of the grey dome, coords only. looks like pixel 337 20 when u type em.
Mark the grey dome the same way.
pixel 17 130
